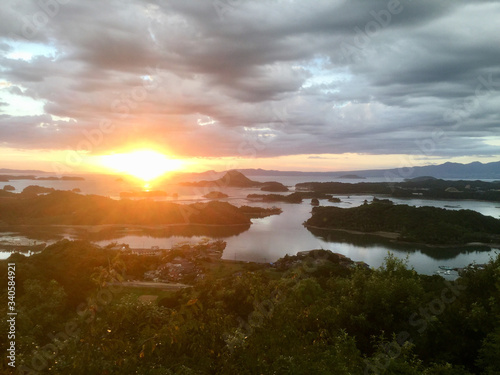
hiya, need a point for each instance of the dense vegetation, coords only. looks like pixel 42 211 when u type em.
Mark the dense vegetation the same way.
pixel 295 197
pixel 426 224
pixel 311 314
pixel 257 212
pixel 274 186
pixel 63 207
pixel 290 198
pixel 426 188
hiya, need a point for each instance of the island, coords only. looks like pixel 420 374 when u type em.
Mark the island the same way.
pixel 34 190
pixel 295 197
pixel 232 178
pixel 426 225
pixel 290 198
pixel 420 179
pixel 8 177
pixel 69 208
pixel 421 187
pixel 215 195
pixel 235 178
pixel 274 187
pixel 352 177
pixel 259 212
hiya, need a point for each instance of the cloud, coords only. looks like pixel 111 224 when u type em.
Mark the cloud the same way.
pixel 274 77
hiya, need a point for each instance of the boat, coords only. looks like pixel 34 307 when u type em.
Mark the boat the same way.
pixel 446 268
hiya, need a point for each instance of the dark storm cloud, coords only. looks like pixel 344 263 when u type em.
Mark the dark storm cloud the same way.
pixel 256 78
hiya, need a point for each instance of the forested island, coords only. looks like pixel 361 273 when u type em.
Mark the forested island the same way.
pixel 427 187
pixel 295 197
pixel 427 225
pixel 7 178
pixel 69 208
pixel 313 313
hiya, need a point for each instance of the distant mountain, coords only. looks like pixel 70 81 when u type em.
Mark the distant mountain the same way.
pixel 475 170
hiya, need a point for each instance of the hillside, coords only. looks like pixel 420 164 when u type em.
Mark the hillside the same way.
pixel 313 313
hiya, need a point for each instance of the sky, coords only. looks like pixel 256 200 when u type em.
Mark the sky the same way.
pixel 276 84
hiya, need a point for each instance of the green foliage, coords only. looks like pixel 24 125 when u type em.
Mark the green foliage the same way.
pixel 427 188
pixel 430 225
pixel 315 313
pixel 64 207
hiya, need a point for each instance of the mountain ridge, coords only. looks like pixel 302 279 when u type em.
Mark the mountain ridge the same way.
pixel 474 170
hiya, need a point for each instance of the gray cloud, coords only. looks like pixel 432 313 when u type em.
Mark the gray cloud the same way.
pixel 263 78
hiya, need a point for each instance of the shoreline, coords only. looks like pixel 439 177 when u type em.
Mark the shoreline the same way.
pixel 389 196
pixel 6 228
pixel 392 236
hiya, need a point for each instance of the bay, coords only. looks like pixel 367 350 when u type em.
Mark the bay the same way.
pixel 271 238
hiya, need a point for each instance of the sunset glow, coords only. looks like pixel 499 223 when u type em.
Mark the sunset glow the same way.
pixel 144 164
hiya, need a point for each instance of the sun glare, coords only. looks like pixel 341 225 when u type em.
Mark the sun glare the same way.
pixel 144 164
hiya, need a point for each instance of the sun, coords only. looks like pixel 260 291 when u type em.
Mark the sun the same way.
pixel 143 164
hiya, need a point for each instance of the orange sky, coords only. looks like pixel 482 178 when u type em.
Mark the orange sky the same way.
pixel 313 86
pixel 69 162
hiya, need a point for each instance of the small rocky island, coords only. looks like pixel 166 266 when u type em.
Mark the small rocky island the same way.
pixel 215 195
pixel 352 177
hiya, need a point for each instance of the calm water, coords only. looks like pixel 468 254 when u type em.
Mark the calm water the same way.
pixel 273 237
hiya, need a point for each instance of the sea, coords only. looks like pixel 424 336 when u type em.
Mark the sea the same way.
pixel 270 238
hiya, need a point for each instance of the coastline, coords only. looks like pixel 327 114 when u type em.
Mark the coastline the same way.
pixel 97 227
pixel 393 237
